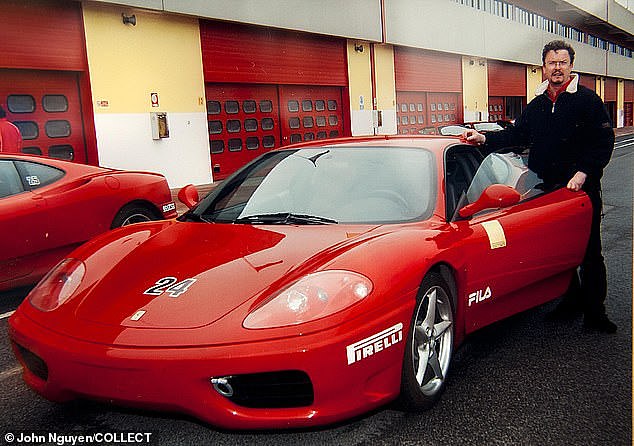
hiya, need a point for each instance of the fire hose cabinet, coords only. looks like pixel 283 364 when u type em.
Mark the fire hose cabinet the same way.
pixel 159 124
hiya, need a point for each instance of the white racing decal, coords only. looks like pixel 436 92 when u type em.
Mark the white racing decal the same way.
pixel 138 315
pixel 171 286
pixel 479 296
pixel 33 180
pixel 169 207
pixel 374 344
pixel 497 238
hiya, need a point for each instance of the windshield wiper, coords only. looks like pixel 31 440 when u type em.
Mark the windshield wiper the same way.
pixel 285 218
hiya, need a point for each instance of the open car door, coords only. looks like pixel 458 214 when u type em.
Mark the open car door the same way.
pixel 522 251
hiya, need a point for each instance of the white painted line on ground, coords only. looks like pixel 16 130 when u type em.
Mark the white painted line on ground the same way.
pixel 6 315
pixel 10 373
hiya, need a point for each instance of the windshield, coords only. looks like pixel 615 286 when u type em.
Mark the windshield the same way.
pixel 452 130
pixel 487 127
pixel 327 185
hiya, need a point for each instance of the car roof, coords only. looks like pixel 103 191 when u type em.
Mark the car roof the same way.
pixel 60 164
pixel 434 143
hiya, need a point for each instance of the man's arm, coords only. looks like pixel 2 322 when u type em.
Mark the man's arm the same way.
pixel 597 141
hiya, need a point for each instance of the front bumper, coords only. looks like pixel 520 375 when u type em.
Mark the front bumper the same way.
pixel 180 379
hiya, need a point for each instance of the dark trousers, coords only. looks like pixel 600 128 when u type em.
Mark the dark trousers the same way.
pixel 591 284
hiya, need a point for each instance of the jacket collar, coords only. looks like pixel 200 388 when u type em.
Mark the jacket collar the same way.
pixel 572 86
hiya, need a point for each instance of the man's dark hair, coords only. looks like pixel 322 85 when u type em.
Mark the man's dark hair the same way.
pixel 3 114
pixel 557 45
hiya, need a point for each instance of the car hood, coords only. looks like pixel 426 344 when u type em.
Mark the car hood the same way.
pixel 228 264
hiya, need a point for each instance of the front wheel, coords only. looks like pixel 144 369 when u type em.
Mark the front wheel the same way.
pixel 429 345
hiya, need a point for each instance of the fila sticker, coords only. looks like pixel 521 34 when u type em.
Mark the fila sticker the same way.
pixel 495 232
pixel 479 296
pixel 374 344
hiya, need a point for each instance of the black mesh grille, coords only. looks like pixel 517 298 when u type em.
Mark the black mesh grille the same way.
pixel 34 363
pixel 289 388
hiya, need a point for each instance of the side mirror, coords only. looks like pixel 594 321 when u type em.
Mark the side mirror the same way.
pixel 188 195
pixel 495 196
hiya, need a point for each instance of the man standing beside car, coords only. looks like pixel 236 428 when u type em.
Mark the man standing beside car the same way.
pixel 10 138
pixel 570 140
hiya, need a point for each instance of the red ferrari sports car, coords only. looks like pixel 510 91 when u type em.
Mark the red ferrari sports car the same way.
pixel 49 207
pixel 320 281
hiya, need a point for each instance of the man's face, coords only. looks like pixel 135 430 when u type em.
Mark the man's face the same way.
pixel 557 67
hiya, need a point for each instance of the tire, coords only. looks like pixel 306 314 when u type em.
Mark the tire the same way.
pixel 133 213
pixel 429 346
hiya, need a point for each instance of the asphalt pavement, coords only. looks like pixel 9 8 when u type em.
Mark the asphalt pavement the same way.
pixel 523 381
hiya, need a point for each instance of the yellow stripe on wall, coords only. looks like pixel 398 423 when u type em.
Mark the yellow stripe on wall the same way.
pixel 533 80
pixel 359 75
pixel 160 54
pixel 385 82
pixel 475 88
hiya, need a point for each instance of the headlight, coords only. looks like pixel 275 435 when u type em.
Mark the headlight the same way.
pixel 312 297
pixel 58 285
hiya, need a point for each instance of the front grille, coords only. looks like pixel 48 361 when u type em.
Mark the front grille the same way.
pixel 34 363
pixel 288 388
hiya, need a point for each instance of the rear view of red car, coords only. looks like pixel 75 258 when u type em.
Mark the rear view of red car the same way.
pixel 49 207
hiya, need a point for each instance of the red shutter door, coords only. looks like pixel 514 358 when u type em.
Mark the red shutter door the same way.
pixel 239 53
pixel 443 108
pixel 40 34
pixel 629 112
pixel 588 81
pixel 45 106
pixel 411 113
pixel 609 94
pixel 419 70
pixel 48 35
pixel 424 113
pixel 243 122
pixel 496 108
pixel 628 90
pixel 308 72
pixel 310 112
pixel 429 80
pixel 506 79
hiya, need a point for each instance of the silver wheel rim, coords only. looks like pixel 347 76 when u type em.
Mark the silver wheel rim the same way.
pixel 432 340
pixel 135 218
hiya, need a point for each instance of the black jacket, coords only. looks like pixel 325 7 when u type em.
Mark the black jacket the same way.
pixel 573 134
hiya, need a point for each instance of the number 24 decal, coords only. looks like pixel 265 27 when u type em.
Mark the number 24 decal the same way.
pixel 169 285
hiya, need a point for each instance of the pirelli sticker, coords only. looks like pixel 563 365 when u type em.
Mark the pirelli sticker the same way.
pixel 374 344
pixel 495 232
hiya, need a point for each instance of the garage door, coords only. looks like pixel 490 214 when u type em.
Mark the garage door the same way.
pixel 428 90
pixel 496 108
pixel 298 77
pixel 443 108
pixel 628 106
pixel 310 112
pixel 588 81
pixel 411 113
pixel 425 113
pixel 45 106
pixel 245 121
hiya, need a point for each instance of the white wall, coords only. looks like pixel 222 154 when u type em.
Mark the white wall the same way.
pixel 125 142
pixel 358 19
